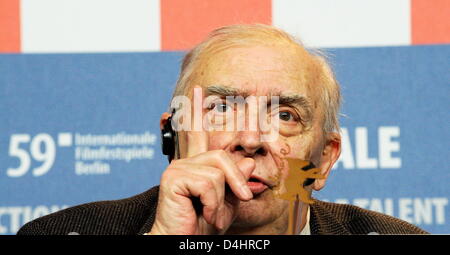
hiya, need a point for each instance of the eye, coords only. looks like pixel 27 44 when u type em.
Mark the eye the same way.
pixel 221 107
pixel 287 116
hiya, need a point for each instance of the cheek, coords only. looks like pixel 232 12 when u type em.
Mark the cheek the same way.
pixel 307 148
pixel 220 140
pixel 301 149
pixel 296 147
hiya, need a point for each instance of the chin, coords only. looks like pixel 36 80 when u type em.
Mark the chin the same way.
pixel 261 210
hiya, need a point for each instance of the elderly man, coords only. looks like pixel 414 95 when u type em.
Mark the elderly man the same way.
pixel 228 181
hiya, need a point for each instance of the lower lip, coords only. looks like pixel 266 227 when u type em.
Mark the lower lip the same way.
pixel 257 187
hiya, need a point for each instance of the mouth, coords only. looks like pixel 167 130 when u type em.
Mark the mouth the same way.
pixel 258 185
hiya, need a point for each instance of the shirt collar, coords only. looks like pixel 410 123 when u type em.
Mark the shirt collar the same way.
pixel 306 229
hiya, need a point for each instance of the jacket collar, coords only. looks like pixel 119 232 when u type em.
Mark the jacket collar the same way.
pixel 323 222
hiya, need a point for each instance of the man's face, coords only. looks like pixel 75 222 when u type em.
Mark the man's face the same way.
pixel 265 71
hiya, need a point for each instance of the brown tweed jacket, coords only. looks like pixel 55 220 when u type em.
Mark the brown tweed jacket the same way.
pixel 135 215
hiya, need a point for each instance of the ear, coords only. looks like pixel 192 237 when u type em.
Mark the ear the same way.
pixel 330 155
pixel 164 117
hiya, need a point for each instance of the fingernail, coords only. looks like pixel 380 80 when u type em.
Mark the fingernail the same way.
pixel 245 191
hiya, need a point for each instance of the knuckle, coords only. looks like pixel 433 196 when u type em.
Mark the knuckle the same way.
pixel 217 174
pixel 206 184
pixel 168 175
pixel 219 155
pixel 213 204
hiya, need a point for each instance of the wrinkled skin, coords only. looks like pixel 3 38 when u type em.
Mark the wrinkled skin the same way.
pixel 210 161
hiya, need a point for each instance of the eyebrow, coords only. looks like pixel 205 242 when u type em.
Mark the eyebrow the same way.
pixel 224 91
pixel 295 99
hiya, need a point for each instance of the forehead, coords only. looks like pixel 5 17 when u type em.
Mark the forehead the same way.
pixel 259 71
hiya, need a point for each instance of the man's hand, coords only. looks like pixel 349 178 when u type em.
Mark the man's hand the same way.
pixel 193 198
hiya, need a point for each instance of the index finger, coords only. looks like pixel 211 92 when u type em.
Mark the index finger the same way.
pixel 197 138
pixel 197 142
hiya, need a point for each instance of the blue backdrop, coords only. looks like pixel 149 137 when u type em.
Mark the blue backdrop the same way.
pixel 77 128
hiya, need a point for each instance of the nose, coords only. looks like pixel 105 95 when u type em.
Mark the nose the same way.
pixel 249 144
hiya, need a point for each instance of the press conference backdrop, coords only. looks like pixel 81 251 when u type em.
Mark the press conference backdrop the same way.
pixel 81 123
